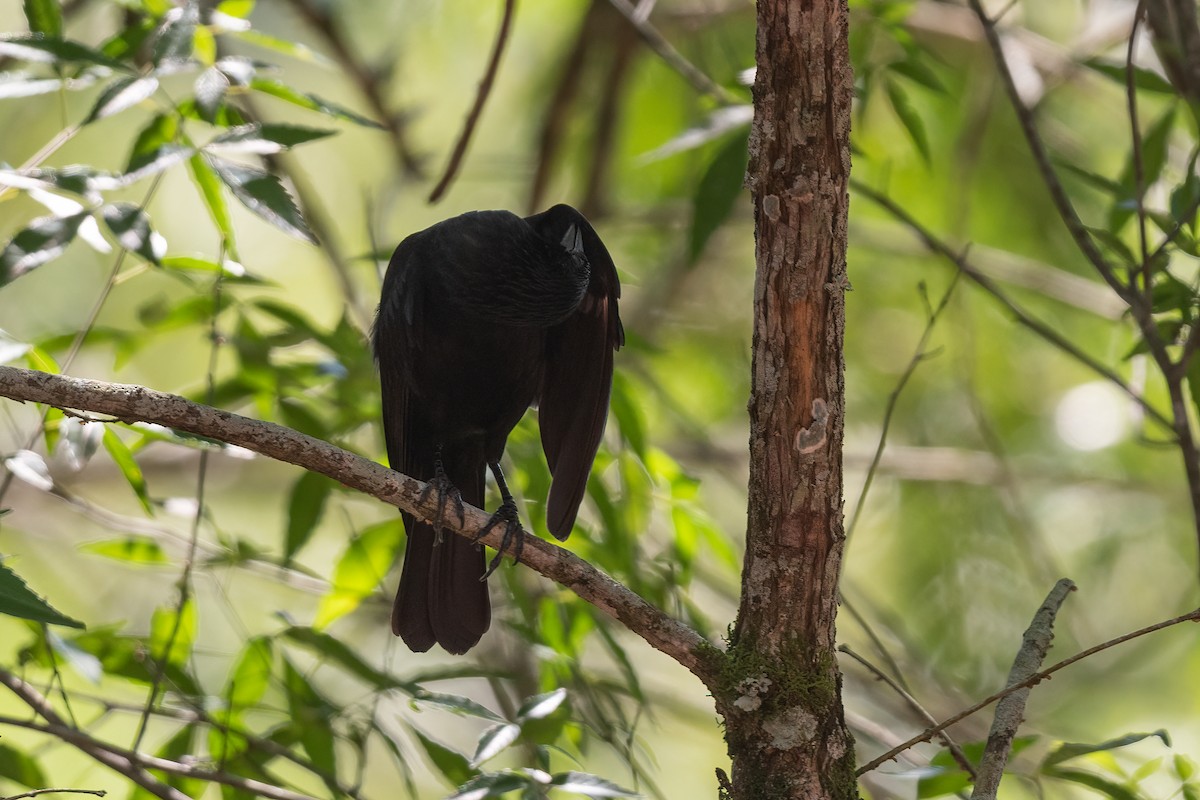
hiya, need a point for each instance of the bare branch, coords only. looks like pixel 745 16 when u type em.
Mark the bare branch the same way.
pixel 485 88
pixel 36 792
pixel 1033 680
pixel 138 404
pixel 991 287
pixel 1011 709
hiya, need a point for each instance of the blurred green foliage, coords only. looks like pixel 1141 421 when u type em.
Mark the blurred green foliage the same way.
pixel 159 230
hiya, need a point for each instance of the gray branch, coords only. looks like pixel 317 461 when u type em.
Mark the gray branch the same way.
pixel 1011 709
pixel 129 403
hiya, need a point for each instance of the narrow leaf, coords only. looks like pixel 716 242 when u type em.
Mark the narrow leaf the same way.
pixel 360 570
pixel 337 652
pixel 1142 78
pixel 52 50
pixel 262 193
pixel 264 139
pixel 541 705
pixel 120 95
pixel 148 148
pixel 451 764
pixel 209 185
pixel 210 89
pixel 1070 750
pixel 173 633
pixel 20 768
pixel 589 785
pixel 719 189
pixel 251 675
pixel 131 226
pixel 176 37
pixel 128 466
pixel 494 741
pixel 131 550
pixel 284 92
pixel 305 506
pixel 458 705
pixel 44 240
pixel 492 784
pixel 909 118
pixel 44 17
pixel 16 600
pixel 311 714
pixel 26 84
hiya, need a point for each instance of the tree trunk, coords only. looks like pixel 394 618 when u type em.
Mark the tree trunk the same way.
pixel 782 704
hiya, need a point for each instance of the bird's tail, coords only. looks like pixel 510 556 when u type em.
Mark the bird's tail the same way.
pixel 442 598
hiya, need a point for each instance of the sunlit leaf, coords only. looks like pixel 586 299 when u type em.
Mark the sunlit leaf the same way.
pixel 264 138
pixel 25 84
pixel 337 652
pixel 494 741
pixel 173 633
pixel 1069 750
pixel 1104 786
pixel 360 570
pixel 296 50
pixel 541 705
pixel 492 784
pixel 17 600
pixel 131 549
pixel 589 785
pixel 251 675
pixel 210 89
pixel 176 37
pixel 263 193
pixel 1142 78
pixel 128 466
pixel 131 226
pixel 457 704
pixel 52 50
pixel 45 239
pixel 120 95
pixel 279 89
pixel 209 185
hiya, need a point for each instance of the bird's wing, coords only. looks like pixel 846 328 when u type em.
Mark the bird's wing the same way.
pixel 573 404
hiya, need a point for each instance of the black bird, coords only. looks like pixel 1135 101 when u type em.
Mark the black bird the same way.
pixel 483 315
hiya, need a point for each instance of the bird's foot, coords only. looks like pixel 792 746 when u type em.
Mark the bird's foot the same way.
pixel 447 493
pixel 507 516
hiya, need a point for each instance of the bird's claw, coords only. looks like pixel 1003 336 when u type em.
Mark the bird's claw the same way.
pixel 447 492
pixel 507 516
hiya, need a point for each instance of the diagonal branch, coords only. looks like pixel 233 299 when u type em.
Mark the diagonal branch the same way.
pixel 130 404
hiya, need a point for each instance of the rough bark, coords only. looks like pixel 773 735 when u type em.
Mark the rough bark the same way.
pixel 782 700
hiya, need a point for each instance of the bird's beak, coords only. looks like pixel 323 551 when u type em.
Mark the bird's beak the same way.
pixel 572 240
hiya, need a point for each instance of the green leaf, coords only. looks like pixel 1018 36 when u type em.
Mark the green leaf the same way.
pixel 296 50
pixel 589 785
pixel 262 193
pixel 236 8
pixel 131 226
pixel 360 570
pixel 1142 78
pixel 284 92
pixel 251 675
pixel 120 95
pixel 542 705
pixel 494 741
pixel 336 652
pixel 26 84
pixel 458 705
pixel 1069 750
pixel 20 768
pixel 44 240
pixel 628 411
pixel 148 147
pixel 451 764
pixel 718 190
pixel 44 17
pixel 16 600
pixel 173 633
pixel 916 70
pixel 209 184
pixel 492 784
pixel 264 138
pixel 210 89
pixel 311 714
pixel 1154 158
pixel 305 506
pixel 129 467
pixel 177 36
pixel 1184 767
pixel 131 549
pixel 909 118
pixel 1102 785
pixel 52 50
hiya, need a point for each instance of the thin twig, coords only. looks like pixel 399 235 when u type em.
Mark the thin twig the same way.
pixel 36 792
pixel 877 642
pixel 1033 680
pixel 956 752
pixel 1043 330
pixel 919 356
pixel 485 88
pixel 137 403
pixel 673 58
pixel 1011 709
pixel 1139 164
